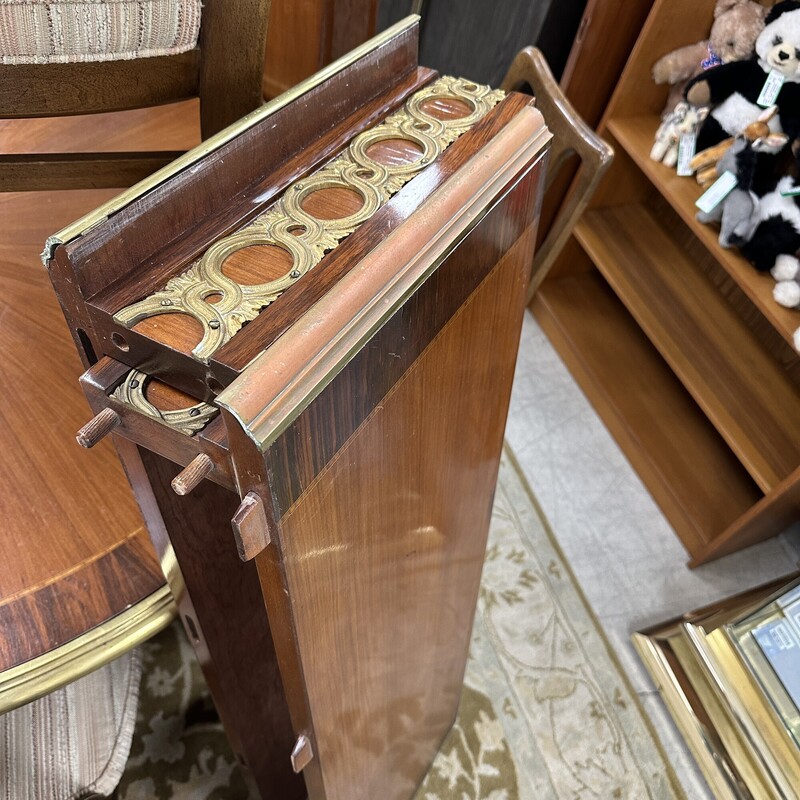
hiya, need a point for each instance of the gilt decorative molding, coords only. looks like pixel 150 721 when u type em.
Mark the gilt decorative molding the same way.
pixel 187 420
pixel 288 226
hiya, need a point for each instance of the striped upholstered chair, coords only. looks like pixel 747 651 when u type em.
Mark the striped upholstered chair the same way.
pixel 62 57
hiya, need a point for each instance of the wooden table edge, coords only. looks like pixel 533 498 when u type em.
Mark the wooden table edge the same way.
pixel 91 650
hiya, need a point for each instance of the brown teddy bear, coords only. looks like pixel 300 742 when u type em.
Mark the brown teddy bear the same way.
pixel 737 25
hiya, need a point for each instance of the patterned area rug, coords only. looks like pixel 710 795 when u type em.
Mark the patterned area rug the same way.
pixel 545 712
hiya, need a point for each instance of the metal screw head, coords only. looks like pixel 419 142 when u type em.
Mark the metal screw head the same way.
pixel 166 302
pixel 298 186
pixel 214 324
pixel 134 384
pixel 194 412
pixel 295 273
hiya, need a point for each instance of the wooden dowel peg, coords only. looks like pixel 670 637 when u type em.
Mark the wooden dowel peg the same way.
pixel 98 427
pixel 190 477
pixel 302 753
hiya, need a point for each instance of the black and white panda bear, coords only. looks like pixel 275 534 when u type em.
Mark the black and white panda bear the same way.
pixel 733 89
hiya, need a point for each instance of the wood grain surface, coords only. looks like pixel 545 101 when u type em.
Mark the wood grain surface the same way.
pixel 378 497
pixel 46 90
pixel 74 548
pixel 315 437
pixel 383 552
pixel 228 624
pixel 233 38
pixel 45 171
pixel 305 36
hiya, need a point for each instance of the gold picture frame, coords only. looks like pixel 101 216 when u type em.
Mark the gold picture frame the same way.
pixel 737 717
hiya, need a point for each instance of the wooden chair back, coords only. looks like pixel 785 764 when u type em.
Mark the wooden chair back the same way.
pixel 224 70
pixel 571 137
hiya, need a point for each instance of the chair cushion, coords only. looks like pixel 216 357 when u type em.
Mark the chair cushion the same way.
pixel 42 32
pixel 75 741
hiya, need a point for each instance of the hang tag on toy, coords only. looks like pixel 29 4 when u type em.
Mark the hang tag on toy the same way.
pixel 686 150
pixel 717 192
pixel 772 88
pixel 795 192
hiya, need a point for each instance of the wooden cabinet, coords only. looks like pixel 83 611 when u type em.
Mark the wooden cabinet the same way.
pixel 678 342
pixel 317 314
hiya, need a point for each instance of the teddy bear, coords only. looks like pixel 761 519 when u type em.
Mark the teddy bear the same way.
pixel 734 89
pixel 737 25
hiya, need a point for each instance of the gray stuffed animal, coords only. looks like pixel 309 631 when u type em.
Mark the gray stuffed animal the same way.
pixel 736 213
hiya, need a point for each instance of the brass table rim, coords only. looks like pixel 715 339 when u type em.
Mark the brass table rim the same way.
pixel 91 650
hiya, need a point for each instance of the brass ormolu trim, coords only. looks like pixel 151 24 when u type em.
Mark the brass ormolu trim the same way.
pixel 266 398
pixel 46 673
pixel 305 238
pixel 187 420
pixel 100 214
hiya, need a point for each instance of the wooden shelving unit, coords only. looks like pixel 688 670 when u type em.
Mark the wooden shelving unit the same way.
pixel 676 341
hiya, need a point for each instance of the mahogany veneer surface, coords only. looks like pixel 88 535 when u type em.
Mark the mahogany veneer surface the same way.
pixel 363 422
pixel 390 536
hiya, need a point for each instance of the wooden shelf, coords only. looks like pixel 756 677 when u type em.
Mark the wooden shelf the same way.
pixel 635 135
pixel 676 341
pixel 732 377
pixel 688 468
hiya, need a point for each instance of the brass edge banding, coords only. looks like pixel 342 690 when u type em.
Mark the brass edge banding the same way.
pixel 265 426
pixel 100 214
pixel 95 648
pixel 187 420
pixel 306 239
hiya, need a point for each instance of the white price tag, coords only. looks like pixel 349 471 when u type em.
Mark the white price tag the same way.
pixel 686 150
pixel 717 192
pixel 772 88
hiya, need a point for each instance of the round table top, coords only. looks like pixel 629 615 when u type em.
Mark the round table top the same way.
pixel 74 548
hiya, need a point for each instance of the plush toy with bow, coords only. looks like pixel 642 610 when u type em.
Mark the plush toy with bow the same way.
pixel 737 25
pixel 739 91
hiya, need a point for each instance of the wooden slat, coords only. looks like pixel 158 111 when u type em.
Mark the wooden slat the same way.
pixel 635 135
pixel 743 391
pixel 693 476
pixel 304 37
pixel 232 39
pixel 778 511
pixel 45 90
pixel 55 171
pixel 587 80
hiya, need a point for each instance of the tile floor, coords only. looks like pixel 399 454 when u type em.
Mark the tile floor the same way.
pixel 629 563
